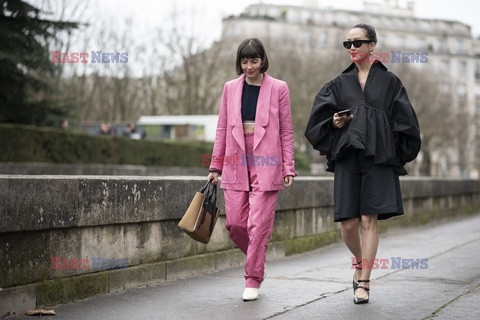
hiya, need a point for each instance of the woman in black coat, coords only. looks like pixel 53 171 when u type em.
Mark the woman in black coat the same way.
pixel 366 147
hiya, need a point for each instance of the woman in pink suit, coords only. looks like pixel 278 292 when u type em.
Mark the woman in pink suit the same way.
pixel 254 153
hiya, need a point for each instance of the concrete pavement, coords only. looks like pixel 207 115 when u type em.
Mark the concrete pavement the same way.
pixel 317 285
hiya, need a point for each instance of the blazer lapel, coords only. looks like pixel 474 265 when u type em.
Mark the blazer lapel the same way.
pixel 263 109
pixel 237 130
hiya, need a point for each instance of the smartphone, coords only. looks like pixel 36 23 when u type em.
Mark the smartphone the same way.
pixel 344 113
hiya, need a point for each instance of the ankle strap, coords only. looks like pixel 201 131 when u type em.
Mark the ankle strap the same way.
pixel 357 265
pixel 363 280
pixel 364 288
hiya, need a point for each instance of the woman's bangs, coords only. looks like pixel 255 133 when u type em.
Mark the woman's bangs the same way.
pixel 249 52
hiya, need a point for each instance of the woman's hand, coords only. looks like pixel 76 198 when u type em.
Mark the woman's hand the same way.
pixel 213 175
pixel 340 121
pixel 287 181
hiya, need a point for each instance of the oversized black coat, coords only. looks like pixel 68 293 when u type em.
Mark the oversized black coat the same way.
pixel 384 124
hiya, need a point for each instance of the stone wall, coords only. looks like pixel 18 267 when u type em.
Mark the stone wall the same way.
pixel 50 222
pixel 44 168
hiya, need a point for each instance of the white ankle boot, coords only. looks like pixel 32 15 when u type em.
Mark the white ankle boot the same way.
pixel 250 294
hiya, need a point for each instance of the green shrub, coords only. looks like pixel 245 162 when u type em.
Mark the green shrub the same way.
pixel 24 143
pixel 301 162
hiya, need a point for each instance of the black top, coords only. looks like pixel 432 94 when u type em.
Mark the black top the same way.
pixel 249 101
pixel 384 124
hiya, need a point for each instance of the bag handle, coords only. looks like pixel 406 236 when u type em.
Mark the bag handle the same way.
pixel 210 205
pixel 207 189
pixel 213 206
pixel 208 195
pixel 206 186
pixel 213 196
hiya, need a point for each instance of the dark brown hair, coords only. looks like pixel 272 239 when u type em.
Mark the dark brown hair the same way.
pixel 369 31
pixel 251 48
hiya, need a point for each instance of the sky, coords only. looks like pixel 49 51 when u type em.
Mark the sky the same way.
pixel 149 14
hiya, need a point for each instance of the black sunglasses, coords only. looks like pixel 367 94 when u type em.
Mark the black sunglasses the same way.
pixel 356 43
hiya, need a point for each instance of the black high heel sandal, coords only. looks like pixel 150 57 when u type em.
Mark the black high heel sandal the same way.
pixel 357 267
pixel 362 300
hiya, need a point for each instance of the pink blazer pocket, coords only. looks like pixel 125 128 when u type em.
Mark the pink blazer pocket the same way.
pixel 275 168
pixel 230 166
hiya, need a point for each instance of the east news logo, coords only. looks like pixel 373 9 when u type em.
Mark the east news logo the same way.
pixel 96 57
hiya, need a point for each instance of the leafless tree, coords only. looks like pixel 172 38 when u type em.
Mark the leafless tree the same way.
pixel 441 124
pixel 194 85
pixel 305 71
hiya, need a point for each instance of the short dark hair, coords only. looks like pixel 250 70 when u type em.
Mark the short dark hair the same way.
pixel 369 31
pixel 251 48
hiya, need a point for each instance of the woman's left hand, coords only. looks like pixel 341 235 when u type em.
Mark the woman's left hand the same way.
pixel 287 181
pixel 340 121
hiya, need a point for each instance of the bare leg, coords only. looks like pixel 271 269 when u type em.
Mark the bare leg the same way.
pixel 369 249
pixel 351 238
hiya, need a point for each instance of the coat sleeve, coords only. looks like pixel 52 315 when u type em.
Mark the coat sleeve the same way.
pixel 286 133
pixel 218 153
pixel 406 130
pixel 320 132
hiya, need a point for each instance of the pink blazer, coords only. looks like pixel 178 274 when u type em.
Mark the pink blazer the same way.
pixel 273 138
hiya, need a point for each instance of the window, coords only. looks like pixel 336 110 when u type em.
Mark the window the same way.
pixel 445 66
pixel 305 38
pixel 231 31
pixel 401 42
pixel 460 46
pixel 462 90
pixel 425 25
pixel 462 68
pixel 421 44
pixel 441 46
pixel 477 92
pixel 445 87
pixel 477 72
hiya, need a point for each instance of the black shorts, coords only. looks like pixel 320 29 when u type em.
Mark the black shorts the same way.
pixel 362 187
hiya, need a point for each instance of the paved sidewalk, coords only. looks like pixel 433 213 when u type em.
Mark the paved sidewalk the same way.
pixel 317 285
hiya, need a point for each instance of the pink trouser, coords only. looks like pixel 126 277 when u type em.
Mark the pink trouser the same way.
pixel 249 219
